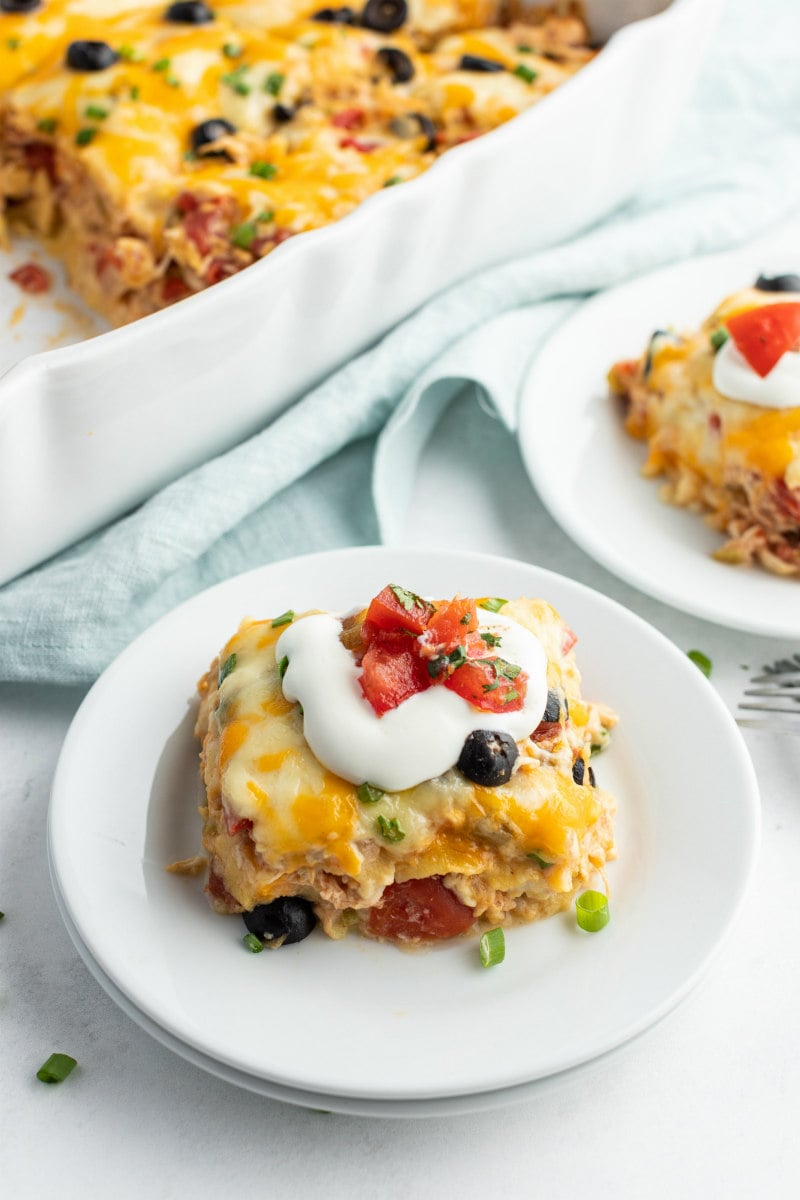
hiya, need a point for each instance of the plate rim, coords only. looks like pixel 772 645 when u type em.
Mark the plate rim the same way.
pixel 652 1015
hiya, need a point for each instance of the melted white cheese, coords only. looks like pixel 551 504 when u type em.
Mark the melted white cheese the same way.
pixel 736 379
pixel 418 740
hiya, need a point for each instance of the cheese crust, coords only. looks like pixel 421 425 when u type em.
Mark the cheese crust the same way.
pixel 736 463
pixel 278 823
pixel 101 163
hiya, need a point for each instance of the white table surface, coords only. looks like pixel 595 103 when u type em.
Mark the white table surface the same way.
pixel 704 1104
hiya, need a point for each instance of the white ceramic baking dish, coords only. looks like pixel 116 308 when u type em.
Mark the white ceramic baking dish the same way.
pixel 89 430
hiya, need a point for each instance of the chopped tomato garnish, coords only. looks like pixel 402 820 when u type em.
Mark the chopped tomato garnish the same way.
pixel 451 623
pixel 174 288
pixel 359 144
pixel 32 279
pixel 569 640
pixel 763 335
pixel 486 685
pixel 419 910
pixel 218 269
pixel 390 678
pixel 41 156
pixel 237 824
pixel 348 118
pixel 395 609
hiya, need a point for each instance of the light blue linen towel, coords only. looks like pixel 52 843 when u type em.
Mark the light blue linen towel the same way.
pixel 315 477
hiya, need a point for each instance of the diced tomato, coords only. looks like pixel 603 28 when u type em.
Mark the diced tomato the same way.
pixel 450 624
pixel 390 678
pixel 568 640
pixel 787 500
pixel 419 910
pixel 348 118
pixel 545 730
pixel 174 288
pixel 186 202
pixel 395 610
pixel 32 279
pixel 359 144
pixel 479 682
pixel 219 268
pixel 237 824
pixel 209 221
pixel 763 335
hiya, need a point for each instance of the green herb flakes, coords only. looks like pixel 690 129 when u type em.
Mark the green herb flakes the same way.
pixel 135 92
pixel 13 43
pixel 162 64
pixel 491 639
pixel 392 180
pixel 129 54
pixel 266 216
pixel 390 831
pixel 409 600
pixel 95 113
pixel 539 860
pixel 226 668
pixel 369 794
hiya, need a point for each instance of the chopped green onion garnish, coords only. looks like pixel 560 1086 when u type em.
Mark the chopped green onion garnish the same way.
pixel 172 81
pixel 392 180
pixel 491 639
pixel 266 216
pixel 492 947
pixel 701 661
pixel 47 125
pixel 300 708
pixel 57 1068
pixel 135 96
pixel 263 170
pixel 274 82
pixel 719 337
pixel 162 64
pixel 190 156
pixel 231 50
pixel 368 794
pixel 227 667
pixel 244 235
pixel 130 54
pixel 524 48
pixel 390 830
pixel 525 73
pixel 95 112
pixel 13 43
pixel 537 858
pixel 254 944
pixel 493 603
pixel 282 665
pixel 84 136
pixel 284 619
pixel 236 81
pixel 592 911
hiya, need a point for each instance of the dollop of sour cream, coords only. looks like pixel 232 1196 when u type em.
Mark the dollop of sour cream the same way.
pixel 423 736
pixel 736 379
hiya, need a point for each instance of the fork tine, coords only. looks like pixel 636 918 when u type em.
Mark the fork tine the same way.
pixel 774 693
pixel 779 678
pixel 766 708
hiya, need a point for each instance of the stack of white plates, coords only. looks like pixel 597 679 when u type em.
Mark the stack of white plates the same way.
pixel 358 1026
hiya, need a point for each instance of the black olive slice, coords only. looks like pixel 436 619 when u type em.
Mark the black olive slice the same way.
pixel 189 12
pixel 211 131
pixel 335 16
pixel 90 56
pixel 579 773
pixel 384 15
pixel 411 125
pixel 19 6
pixel 778 283
pixel 290 918
pixel 473 62
pixel 397 63
pixel 488 757
pixel 283 113
pixel 552 710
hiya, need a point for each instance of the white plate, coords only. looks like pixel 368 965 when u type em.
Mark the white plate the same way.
pixel 361 1019
pixel 587 470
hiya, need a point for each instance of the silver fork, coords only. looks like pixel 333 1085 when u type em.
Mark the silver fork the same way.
pixel 774 695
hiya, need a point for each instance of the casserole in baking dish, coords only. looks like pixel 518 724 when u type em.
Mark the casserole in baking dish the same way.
pixel 105 423
pixel 414 771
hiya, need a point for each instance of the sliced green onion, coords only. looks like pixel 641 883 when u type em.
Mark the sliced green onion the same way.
pixel 13 43
pixel 369 794
pixel 390 830
pixel 231 50
pixel 95 112
pixel 266 216
pixel 189 156
pixel 719 337
pixel 263 170
pixel 493 603
pixel 226 668
pixel 524 48
pixel 274 82
pixel 592 911
pixel 284 619
pixel 254 944
pixel 57 1068
pixel 244 235
pixel 84 136
pixel 172 81
pixel 492 947
pixel 236 82
pixel 544 863
pixel 525 73
pixel 129 54
pixel 135 96
pixel 701 661
pixel 282 665
pixel 392 180
pixel 162 64
pixel 47 125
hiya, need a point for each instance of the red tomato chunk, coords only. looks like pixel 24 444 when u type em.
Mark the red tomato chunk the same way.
pixel 32 279
pixel 419 910
pixel 763 335
pixel 390 678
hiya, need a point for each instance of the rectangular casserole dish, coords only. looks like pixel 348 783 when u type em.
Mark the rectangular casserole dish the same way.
pixel 88 431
